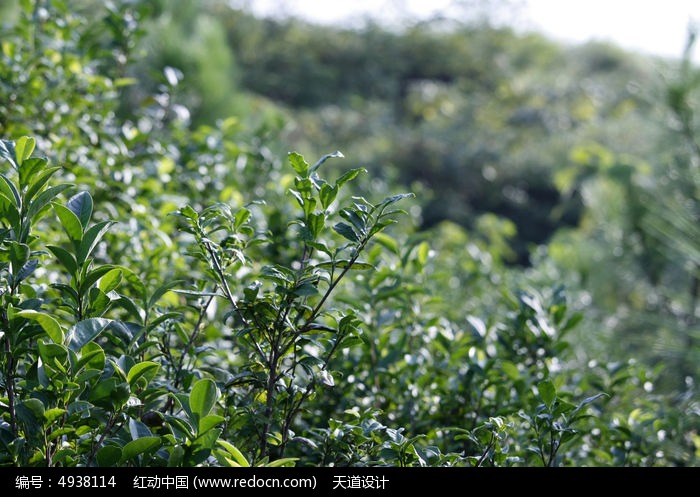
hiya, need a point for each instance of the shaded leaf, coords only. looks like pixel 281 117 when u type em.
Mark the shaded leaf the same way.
pixel 70 222
pixel 65 258
pixel 343 263
pixel 7 152
pixel 44 199
pixel 328 194
pixel 38 183
pixel 91 238
pixel 8 189
pixel 547 391
pixel 346 231
pixel 19 255
pixel 108 456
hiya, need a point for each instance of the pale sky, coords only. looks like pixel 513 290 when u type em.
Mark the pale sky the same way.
pixel 653 26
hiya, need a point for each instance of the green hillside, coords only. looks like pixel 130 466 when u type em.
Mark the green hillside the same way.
pixel 228 240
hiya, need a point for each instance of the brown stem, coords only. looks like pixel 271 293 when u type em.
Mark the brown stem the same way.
pixel 9 373
pixel 9 382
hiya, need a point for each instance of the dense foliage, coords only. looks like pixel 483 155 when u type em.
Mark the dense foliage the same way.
pixel 505 274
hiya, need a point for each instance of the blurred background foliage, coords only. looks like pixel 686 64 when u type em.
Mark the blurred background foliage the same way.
pixel 535 165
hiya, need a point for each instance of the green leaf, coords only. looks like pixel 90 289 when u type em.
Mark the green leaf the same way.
pixel 237 454
pixel 92 356
pixel 132 279
pixel 7 152
pixel 108 456
pixel 36 406
pixel 110 280
pixel 342 264
pixel 422 252
pixel 44 199
pixel 511 370
pixel 306 290
pixel 328 194
pixel 8 189
pixel 146 370
pixel 299 164
pixel 394 198
pixel 91 239
pixel 284 462
pixel 279 274
pixel 188 213
pixel 52 415
pixel 346 231
pixel 179 424
pixel 177 456
pixel 323 159
pixel 388 242
pixel 85 331
pixel 140 446
pixel 354 219
pixel 49 324
pixel 9 211
pixel 202 398
pixel 98 302
pixel 30 413
pixel 168 316
pixel 65 258
pixel 79 408
pixel 110 394
pixel 162 290
pixel 38 183
pixel 89 278
pixel 139 429
pixel 24 148
pixel 547 391
pixel 53 355
pixel 70 222
pixel 380 225
pixel 19 255
pixel 208 422
pixel 349 176
pixel 30 168
pixel 315 223
pixel 242 215
pixel 587 401
pixel 80 204
pixel 26 270
pixel 572 322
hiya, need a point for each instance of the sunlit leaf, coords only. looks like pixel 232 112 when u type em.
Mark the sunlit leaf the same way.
pixel 86 331
pixel 49 324
pixel 80 204
pixel 203 397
